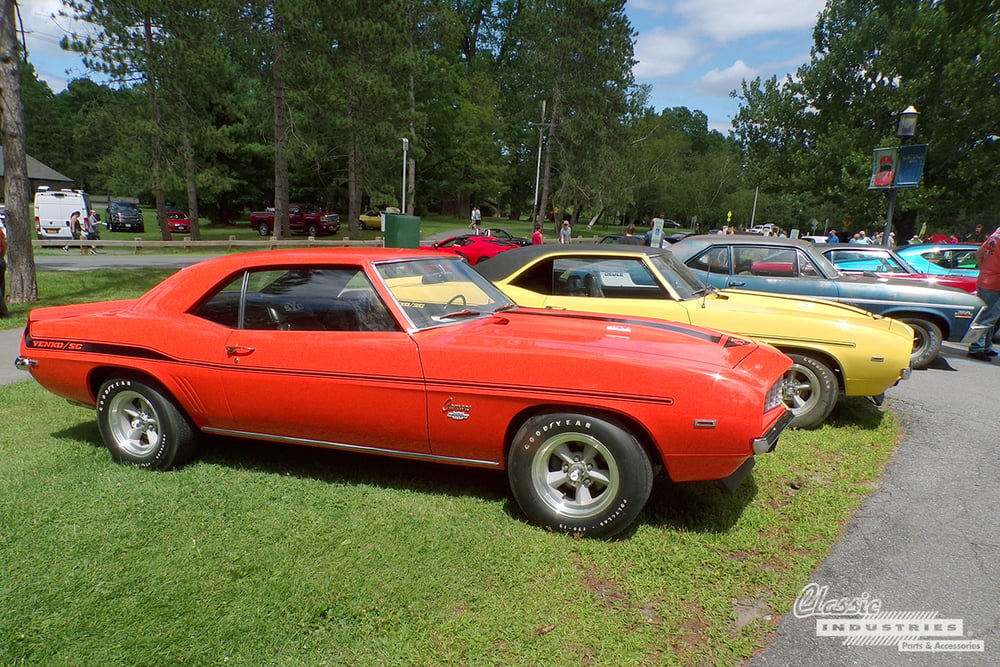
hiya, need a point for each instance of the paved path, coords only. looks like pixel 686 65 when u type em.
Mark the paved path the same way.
pixel 928 540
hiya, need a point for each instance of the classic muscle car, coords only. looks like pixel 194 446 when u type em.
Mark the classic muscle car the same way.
pixel 473 247
pixel 946 259
pixel 835 348
pixel 789 266
pixel 285 345
pixel 887 263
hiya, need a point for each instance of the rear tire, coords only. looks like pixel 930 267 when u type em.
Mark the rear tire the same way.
pixel 578 474
pixel 809 389
pixel 263 229
pixel 141 425
pixel 926 341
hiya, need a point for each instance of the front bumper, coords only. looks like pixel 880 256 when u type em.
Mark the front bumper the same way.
pixel 768 441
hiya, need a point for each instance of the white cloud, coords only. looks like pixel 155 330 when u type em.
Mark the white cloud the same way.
pixel 662 53
pixel 719 83
pixel 729 20
pixel 44 28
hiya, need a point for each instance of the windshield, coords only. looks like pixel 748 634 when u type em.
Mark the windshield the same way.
pixel 435 292
pixel 680 278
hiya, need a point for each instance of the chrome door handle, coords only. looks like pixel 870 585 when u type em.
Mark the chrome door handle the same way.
pixel 238 350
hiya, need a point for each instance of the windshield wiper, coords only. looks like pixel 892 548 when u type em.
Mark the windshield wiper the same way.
pixel 459 313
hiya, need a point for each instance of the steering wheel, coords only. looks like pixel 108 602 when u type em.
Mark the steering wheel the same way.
pixel 458 299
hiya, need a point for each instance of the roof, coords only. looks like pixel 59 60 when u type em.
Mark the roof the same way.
pixel 37 171
pixel 509 261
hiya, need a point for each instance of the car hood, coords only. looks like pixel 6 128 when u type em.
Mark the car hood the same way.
pixel 577 335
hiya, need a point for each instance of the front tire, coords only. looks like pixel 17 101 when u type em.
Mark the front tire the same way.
pixel 926 341
pixel 313 231
pixel 141 425
pixel 809 389
pixel 577 474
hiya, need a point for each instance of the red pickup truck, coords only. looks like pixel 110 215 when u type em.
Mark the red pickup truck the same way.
pixel 303 219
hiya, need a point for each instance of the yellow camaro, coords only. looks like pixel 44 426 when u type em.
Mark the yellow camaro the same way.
pixel 835 348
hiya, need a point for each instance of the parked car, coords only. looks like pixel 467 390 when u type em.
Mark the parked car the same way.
pixel 504 235
pixel 53 209
pixel 835 349
pixel 883 262
pixel 473 247
pixel 124 216
pixel 790 266
pixel 949 259
pixel 622 239
pixel 177 221
pixel 302 219
pixel 285 346
pixel 370 219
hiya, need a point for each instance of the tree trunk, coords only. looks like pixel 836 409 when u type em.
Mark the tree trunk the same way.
pixel 154 110
pixel 282 228
pixel 190 168
pixel 354 189
pixel 21 285
pixel 543 201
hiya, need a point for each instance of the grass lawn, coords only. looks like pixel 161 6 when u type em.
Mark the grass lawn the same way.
pixel 259 554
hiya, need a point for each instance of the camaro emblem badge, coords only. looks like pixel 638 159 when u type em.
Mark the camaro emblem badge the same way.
pixel 455 411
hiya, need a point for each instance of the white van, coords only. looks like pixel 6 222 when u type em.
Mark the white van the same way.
pixel 53 208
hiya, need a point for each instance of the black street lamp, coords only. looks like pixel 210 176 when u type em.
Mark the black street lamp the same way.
pixel 906 129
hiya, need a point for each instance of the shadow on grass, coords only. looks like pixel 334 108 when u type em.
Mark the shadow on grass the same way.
pixel 688 506
pixel 335 466
pixel 856 412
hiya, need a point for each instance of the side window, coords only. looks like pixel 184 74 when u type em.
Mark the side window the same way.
pixel 302 299
pixel 714 260
pixel 806 268
pixel 613 278
pixel 539 278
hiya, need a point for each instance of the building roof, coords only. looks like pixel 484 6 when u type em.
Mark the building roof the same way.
pixel 38 171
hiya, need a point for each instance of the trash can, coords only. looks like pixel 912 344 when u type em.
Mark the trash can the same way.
pixel 402 231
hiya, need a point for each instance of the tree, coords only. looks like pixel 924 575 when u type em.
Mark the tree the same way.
pixel 21 286
pixel 871 59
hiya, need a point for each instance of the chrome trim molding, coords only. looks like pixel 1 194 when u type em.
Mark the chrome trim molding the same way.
pixel 351 448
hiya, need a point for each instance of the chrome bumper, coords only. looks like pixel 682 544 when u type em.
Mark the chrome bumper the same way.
pixel 24 364
pixel 769 440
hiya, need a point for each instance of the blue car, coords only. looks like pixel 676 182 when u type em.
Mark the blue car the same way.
pixel 950 259
pixel 789 266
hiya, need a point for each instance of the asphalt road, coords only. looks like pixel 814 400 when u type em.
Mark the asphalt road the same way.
pixel 924 546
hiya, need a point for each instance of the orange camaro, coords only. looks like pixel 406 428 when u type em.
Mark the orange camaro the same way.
pixel 285 345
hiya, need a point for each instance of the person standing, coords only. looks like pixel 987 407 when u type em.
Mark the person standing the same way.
pixel 566 233
pixel 988 289
pixel 536 237
pixel 477 218
pixel 3 271
pixel 74 228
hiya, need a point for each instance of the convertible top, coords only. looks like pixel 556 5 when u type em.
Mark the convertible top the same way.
pixel 508 262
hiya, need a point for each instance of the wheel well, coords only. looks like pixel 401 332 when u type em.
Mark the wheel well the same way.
pixel 941 323
pixel 624 421
pixel 820 355
pixel 101 375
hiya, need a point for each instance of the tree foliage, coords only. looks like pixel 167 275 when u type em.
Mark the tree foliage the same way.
pixel 811 137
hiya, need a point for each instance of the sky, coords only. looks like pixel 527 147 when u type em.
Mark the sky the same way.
pixel 691 53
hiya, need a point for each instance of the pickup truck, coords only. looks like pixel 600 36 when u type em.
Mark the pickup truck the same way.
pixel 303 219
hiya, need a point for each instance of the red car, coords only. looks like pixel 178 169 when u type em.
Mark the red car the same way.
pixel 853 258
pixel 286 345
pixel 177 221
pixel 473 247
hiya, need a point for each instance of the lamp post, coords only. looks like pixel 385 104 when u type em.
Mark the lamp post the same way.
pixel 406 145
pixel 906 129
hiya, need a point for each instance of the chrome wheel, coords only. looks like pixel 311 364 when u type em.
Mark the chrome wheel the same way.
pixel 575 475
pixel 134 423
